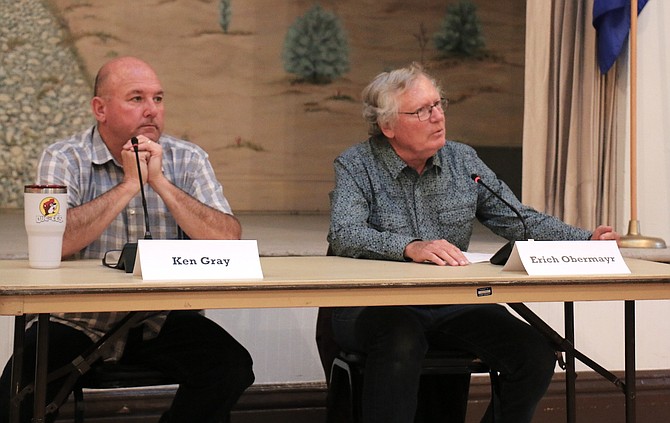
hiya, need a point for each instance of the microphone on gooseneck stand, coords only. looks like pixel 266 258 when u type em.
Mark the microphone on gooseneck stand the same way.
pixel 127 259
pixel 501 256
pixel 147 233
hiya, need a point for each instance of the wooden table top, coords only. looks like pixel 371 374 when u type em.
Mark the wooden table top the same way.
pixel 86 285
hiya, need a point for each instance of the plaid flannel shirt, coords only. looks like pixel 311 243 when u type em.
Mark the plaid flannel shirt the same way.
pixel 84 164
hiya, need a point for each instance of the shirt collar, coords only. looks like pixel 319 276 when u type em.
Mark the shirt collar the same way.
pixel 100 153
pixel 394 163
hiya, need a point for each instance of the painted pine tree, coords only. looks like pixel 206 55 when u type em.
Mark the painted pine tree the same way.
pixel 225 15
pixel 316 47
pixel 460 32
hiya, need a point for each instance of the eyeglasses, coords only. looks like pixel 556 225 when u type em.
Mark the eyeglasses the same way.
pixel 121 259
pixel 424 113
pixel 112 259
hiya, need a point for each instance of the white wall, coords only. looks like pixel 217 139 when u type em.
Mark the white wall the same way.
pixel 653 149
pixel 6 334
pixel 653 121
pixel 281 342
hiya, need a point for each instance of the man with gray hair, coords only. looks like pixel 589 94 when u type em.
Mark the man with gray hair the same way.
pixel 406 194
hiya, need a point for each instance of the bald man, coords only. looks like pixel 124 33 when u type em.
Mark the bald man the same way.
pixel 105 212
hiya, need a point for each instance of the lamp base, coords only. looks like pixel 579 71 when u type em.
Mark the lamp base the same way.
pixel 635 240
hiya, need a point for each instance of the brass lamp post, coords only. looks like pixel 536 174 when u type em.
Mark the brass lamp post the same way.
pixel 633 239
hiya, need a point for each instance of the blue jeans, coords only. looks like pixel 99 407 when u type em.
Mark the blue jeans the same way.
pixel 212 368
pixel 395 340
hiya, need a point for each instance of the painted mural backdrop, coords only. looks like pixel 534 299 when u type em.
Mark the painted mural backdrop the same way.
pixel 269 88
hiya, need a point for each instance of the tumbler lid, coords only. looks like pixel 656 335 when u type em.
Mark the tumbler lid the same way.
pixel 45 189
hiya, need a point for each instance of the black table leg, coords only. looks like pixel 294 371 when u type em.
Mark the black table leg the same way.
pixel 71 371
pixel 565 345
pixel 570 368
pixel 631 390
pixel 41 371
pixel 17 369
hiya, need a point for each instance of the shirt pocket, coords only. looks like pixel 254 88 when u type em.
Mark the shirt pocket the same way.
pixel 456 224
pixel 390 221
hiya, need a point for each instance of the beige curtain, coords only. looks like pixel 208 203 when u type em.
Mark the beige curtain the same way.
pixel 569 124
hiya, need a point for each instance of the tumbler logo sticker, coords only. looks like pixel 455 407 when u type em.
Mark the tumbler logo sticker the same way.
pixel 50 210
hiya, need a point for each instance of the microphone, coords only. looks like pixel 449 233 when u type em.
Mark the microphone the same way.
pixel 501 256
pixel 127 259
pixel 147 233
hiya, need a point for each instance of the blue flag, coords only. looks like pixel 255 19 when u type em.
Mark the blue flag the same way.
pixel 611 19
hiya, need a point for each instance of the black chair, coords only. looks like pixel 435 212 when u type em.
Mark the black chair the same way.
pixel 443 391
pixel 111 375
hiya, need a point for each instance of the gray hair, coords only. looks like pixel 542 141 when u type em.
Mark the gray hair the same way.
pixel 380 97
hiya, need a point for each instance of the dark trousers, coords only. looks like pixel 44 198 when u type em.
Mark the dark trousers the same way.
pixel 212 368
pixel 395 340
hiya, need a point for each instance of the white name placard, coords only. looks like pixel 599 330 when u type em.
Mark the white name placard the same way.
pixel 554 258
pixel 197 260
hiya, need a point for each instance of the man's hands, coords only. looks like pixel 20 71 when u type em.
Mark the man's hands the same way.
pixel 438 251
pixel 151 161
pixel 443 253
pixel 603 232
pixel 198 220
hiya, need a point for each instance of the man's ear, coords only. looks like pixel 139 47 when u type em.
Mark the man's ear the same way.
pixel 387 130
pixel 98 108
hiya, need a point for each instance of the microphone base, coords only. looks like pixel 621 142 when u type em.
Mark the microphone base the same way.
pixel 501 256
pixel 127 259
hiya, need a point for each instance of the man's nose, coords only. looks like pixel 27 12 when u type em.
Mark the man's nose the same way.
pixel 151 109
pixel 437 114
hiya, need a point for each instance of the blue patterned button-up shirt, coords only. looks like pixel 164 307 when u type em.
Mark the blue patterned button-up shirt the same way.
pixel 380 204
